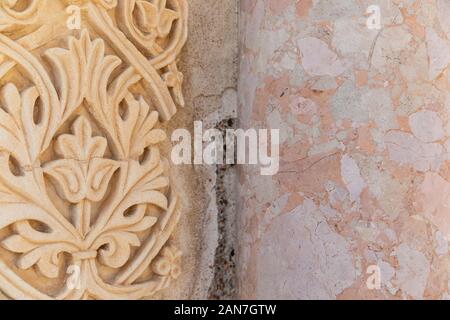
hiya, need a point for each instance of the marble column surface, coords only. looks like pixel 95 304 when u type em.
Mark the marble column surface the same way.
pixel 360 208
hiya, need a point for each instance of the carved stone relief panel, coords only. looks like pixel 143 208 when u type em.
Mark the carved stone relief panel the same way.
pixel 86 207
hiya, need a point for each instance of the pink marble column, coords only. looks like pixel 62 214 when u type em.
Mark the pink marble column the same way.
pixel 364 181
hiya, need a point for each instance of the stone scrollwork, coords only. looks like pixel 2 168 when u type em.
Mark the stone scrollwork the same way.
pixel 13 14
pixel 86 207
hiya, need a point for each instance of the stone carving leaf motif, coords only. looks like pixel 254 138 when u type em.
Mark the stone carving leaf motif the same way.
pixel 83 186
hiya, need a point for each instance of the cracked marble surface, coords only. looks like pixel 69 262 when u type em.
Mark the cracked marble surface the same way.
pixel 365 140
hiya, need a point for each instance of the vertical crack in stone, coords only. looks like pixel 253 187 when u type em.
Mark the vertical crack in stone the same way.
pixel 224 282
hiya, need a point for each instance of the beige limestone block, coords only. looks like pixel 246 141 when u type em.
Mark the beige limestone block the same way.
pixel 87 207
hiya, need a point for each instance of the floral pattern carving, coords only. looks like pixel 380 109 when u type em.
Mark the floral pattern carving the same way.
pixel 154 18
pixel 82 180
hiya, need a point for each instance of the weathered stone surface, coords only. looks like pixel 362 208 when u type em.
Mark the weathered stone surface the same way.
pixel 91 205
pixel 364 179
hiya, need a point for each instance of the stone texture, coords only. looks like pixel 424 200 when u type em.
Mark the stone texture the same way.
pixel 364 120
pixel 180 250
pixel 209 62
pixel 364 141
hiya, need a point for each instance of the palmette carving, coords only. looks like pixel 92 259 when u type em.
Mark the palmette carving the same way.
pixel 82 183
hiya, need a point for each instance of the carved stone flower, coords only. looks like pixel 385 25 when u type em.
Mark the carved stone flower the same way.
pixel 168 263
pixel 154 17
pixel 83 173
